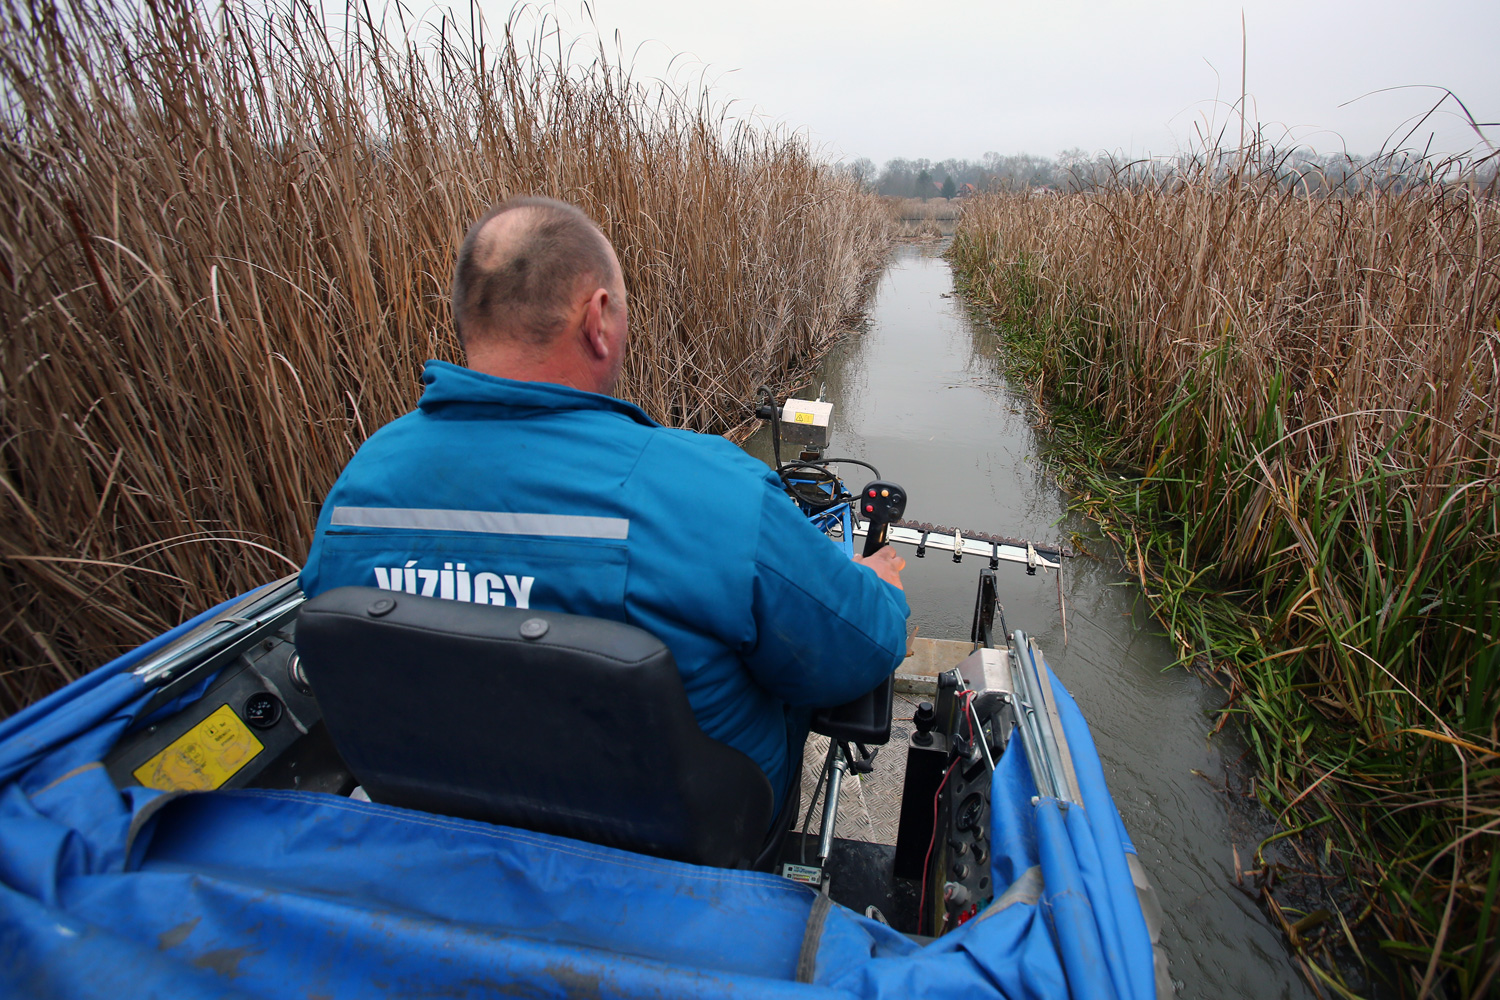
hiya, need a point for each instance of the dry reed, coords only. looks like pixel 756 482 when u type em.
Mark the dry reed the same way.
pixel 1307 386
pixel 231 239
pixel 922 218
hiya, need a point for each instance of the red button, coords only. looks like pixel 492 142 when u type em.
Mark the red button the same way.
pixel 869 509
pixel 872 493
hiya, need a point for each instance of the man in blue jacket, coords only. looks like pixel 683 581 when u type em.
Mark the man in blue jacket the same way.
pixel 519 481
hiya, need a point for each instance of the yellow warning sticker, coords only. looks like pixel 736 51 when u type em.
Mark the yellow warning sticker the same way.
pixel 802 418
pixel 204 757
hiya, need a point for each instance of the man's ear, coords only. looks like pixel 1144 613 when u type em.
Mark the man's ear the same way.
pixel 594 332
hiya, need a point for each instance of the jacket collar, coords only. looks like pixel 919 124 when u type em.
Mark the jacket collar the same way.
pixel 447 383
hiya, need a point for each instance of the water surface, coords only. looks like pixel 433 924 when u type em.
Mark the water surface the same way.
pixel 920 395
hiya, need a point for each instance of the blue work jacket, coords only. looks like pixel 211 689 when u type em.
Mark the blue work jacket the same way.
pixel 531 494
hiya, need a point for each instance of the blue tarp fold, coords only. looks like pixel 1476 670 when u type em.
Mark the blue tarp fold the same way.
pixel 272 894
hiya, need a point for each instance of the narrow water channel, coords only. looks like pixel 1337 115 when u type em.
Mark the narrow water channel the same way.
pixel 921 396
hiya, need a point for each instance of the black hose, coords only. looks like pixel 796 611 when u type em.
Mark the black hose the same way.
pixel 770 397
pixel 821 501
pixel 819 463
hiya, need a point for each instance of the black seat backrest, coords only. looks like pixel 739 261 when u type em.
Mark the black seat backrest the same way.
pixel 535 719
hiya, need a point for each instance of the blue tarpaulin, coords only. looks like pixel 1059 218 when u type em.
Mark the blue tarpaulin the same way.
pixel 137 893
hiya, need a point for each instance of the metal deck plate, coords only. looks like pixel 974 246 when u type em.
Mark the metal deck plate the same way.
pixel 870 807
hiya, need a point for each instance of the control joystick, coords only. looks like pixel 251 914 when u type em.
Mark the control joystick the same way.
pixel 925 721
pixel 880 503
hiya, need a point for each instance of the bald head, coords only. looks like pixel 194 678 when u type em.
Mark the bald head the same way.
pixel 522 268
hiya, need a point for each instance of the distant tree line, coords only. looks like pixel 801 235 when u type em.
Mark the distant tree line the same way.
pixel 1073 169
pixel 904 178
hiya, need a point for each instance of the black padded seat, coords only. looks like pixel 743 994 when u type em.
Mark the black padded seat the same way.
pixel 535 719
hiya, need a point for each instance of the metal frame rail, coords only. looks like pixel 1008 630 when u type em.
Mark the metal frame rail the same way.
pixel 1038 723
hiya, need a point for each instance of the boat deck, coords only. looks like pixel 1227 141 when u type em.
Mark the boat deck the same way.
pixel 869 808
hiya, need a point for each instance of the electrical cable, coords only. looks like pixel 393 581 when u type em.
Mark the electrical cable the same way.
pixel 968 698
pixel 936 798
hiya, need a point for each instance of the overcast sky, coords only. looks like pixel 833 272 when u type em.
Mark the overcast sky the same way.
pixel 882 79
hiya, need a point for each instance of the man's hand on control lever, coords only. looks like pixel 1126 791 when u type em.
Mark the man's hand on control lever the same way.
pixel 881 502
pixel 886 563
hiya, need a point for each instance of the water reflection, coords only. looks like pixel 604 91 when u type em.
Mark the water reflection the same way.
pixel 920 395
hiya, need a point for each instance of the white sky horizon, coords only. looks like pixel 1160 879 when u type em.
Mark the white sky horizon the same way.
pixel 884 79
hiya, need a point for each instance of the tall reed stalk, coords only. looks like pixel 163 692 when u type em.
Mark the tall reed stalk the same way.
pixel 1301 392
pixel 230 241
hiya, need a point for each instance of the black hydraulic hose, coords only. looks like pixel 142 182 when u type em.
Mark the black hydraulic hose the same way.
pixel 819 499
pixel 765 397
pixel 776 434
pixel 816 499
pixel 770 398
pixel 819 463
